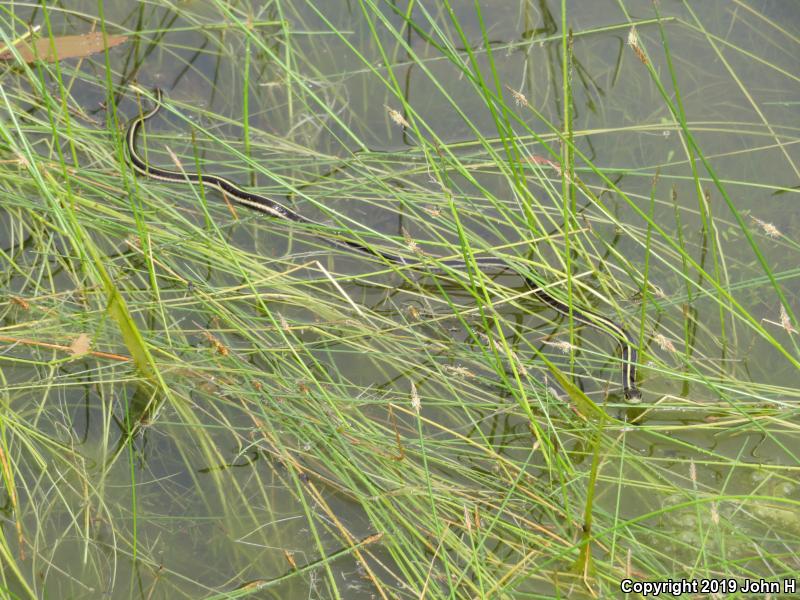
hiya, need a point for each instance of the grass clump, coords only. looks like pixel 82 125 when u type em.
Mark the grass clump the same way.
pixel 199 401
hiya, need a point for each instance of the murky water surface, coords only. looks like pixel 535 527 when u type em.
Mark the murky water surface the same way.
pixel 181 514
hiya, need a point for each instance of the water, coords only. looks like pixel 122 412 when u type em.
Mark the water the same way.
pixel 236 477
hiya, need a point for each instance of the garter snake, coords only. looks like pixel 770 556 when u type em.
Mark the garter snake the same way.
pixel 275 209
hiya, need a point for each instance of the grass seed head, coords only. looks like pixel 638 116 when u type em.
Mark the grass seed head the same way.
pixel 519 97
pixel 397 117
pixel 664 343
pixel 768 228
pixel 634 43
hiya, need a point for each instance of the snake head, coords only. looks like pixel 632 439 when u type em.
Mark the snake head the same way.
pixel 633 396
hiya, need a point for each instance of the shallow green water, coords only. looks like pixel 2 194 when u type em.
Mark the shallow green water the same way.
pixel 179 513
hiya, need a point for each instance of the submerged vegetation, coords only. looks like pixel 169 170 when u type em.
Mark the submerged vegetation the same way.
pixel 200 401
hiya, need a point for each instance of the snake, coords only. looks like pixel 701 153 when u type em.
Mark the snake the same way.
pixel 274 209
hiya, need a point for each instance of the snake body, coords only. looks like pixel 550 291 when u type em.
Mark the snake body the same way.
pixel 275 209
